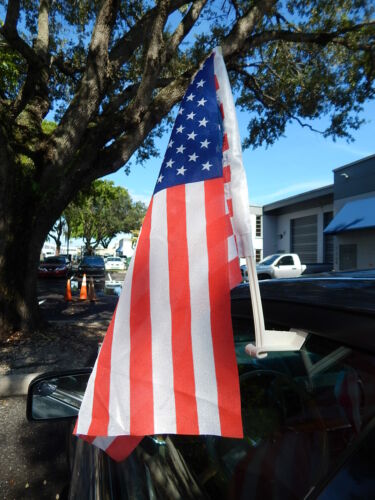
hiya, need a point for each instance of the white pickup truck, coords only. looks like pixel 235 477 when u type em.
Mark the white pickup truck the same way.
pixel 280 265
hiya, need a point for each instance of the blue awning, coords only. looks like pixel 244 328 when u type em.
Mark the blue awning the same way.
pixel 357 214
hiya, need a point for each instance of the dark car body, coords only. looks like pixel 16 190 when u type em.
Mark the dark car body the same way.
pixel 308 416
pixel 58 266
pixel 93 266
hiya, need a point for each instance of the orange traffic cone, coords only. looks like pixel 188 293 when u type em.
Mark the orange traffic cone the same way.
pixel 83 292
pixel 91 291
pixel 68 291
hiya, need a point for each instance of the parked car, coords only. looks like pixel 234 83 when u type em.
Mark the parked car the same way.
pixel 93 266
pixel 58 266
pixel 114 264
pixel 278 265
pixel 308 416
pixel 285 265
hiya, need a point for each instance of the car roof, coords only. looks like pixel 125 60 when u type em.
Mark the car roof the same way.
pixel 339 306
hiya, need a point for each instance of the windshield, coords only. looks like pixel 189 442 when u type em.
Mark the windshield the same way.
pixel 55 260
pixel 92 261
pixel 270 259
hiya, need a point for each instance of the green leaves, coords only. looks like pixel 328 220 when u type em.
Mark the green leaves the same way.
pixel 102 211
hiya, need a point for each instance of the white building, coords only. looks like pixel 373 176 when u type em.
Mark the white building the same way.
pixel 296 225
pixel 333 224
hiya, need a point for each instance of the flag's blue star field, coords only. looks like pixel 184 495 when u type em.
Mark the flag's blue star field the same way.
pixel 194 152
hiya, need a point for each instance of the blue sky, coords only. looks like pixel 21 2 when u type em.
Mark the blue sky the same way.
pixel 300 161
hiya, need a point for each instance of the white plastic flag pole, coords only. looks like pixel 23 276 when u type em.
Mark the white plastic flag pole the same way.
pixel 267 340
pixel 264 340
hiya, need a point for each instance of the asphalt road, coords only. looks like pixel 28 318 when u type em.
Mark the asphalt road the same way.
pixel 33 458
pixel 34 463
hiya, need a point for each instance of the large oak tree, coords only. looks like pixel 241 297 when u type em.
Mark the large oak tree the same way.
pixel 111 71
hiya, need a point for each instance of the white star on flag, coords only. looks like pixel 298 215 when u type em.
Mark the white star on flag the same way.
pixel 180 149
pixel 206 166
pixel 180 129
pixel 193 157
pixel 192 135
pixel 205 143
pixel 202 102
pixel 200 83
pixel 203 122
pixel 190 116
pixel 181 171
pixel 169 163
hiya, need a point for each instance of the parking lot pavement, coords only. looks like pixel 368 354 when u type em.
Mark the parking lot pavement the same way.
pixel 33 455
pixel 33 463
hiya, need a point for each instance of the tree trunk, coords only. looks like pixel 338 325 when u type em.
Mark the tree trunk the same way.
pixel 22 234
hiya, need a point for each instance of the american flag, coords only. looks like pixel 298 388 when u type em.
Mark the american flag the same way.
pixel 167 364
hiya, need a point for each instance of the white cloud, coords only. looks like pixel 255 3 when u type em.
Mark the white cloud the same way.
pixel 289 191
pixel 352 150
pixel 145 197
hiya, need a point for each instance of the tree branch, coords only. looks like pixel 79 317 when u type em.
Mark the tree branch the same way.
pixel 153 60
pixel 234 43
pixel 184 27
pixel 66 67
pixel 42 41
pixel 268 101
pixel 124 48
pixel 116 155
pixel 68 134
pixel 320 38
pixel 10 33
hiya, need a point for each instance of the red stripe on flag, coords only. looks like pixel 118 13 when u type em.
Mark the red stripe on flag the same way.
pixel 225 143
pixel 221 324
pixel 100 415
pixel 235 276
pixel 226 173
pixel 140 370
pixel 217 86
pixel 183 366
pixel 122 446
pixel 230 206
pixel 88 439
pixel 221 107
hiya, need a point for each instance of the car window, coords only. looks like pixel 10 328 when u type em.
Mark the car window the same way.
pixel 93 261
pixel 267 261
pixel 301 412
pixel 286 261
pixel 55 260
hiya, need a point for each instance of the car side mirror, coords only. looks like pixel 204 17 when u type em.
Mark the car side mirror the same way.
pixel 56 395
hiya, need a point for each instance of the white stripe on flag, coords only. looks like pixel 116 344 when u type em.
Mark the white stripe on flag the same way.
pixel 161 326
pixel 227 195
pixel 119 393
pixel 84 420
pixel 203 356
pixel 232 249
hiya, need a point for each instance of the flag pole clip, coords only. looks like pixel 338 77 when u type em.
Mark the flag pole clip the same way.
pixel 276 340
pixel 267 340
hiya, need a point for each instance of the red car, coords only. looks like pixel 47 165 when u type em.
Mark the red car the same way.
pixel 55 267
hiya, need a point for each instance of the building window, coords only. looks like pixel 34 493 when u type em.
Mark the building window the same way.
pixel 258 255
pixel 258 226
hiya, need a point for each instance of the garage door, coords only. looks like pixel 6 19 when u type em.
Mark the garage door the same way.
pixel 304 231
